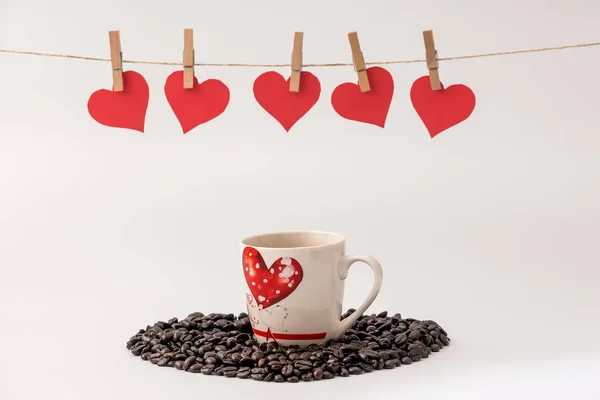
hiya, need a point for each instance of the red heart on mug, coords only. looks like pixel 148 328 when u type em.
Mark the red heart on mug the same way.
pixel 126 109
pixel 270 285
pixel 272 92
pixel 193 107
pixel 369 107
pixel 441 109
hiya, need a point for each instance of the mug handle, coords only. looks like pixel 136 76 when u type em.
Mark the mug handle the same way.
pixel 345 264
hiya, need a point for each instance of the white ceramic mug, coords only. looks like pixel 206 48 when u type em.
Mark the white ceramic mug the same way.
pixel 296 286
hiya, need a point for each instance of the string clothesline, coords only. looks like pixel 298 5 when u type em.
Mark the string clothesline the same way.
pixel 504 53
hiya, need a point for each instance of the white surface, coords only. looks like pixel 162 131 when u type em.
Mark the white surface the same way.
pixel 491 228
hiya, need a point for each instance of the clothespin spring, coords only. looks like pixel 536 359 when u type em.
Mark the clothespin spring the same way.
pixel 193 59
pixel 301 62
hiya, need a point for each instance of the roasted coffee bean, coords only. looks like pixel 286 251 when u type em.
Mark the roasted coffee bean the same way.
pixel 435 348
pixel 293 379
pixel 162 362
pixel 258 370
pixel 279 378
pixel 243 373
pixel 385 327
pixel 351 359
pixel 328 375
pixel 247 361
pixel 302 363
pixel 400 339
pixel 355 370
pixel 275 366
pixel 414 335
pixel 363 356
pixel 369 353
pixel 318 374
pixel 415 352
pixel 188 362
pixel 167 337
pixel 207 369
pixel 195 368
pixel 406 361
pixel 287 370
pixel 366 367
pixel 334 367
pixel 307 377
pixel 444 339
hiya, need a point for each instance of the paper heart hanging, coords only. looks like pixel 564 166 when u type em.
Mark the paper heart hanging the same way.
pixel 272 92
pixel 441 109
pixel 126 109
pixel 270 285
pixel 369 107
pixel 196 106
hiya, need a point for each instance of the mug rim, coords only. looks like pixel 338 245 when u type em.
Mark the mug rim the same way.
pixel 339 239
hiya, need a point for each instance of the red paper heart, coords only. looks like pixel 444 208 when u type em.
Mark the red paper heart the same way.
pixel 193 107
pixel 270 285
pixel 441 109
pixel 369 107
pixel 272 92
pixel 126 109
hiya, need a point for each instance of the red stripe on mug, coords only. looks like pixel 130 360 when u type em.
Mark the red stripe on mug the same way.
pixel 291 336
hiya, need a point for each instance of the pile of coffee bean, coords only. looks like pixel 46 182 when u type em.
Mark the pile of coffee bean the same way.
pixel 222 344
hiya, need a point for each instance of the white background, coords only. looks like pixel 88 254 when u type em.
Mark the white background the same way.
pixel 491 228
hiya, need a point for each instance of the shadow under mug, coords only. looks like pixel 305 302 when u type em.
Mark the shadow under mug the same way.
pixel 296 286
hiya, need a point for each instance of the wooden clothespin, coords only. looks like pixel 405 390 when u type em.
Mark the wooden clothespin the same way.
pixel 296 62
pixel 188 58
pixel 432 60
pixel 359 62
pixel 116 59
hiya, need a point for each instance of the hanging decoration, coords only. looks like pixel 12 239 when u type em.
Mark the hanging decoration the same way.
pixel 285 100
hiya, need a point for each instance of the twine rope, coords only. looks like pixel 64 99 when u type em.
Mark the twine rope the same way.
pixel 465 57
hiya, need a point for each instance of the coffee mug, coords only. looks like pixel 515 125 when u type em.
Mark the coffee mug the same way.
pixel 296 286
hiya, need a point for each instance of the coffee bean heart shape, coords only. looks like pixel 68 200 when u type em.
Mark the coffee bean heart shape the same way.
pixel 369 107
pixel 272 92
pixel 125 109
pixel 196 106
pixel 270 285
pixel 441 109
